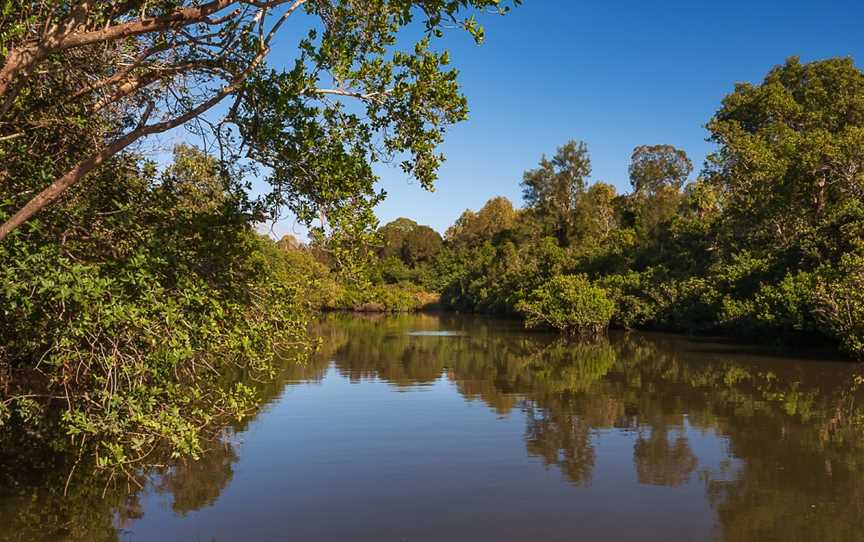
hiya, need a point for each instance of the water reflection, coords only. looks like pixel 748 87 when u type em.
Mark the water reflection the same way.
pixel 792 432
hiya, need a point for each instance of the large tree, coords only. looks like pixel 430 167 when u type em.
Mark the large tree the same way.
pixel 790 162
pixel 411 242
pixel 657 173
pixel 82 81
pixel 554 188
pixel 655 167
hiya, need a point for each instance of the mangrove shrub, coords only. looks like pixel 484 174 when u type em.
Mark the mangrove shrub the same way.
pixel 569 303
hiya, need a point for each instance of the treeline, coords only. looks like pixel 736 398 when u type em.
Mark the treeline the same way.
pixel 766 242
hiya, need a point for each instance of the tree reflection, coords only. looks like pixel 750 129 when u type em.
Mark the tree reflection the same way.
pixel 196 484
pixel 561 438
pixel 794 431
pixel 770 411
pixel 663 459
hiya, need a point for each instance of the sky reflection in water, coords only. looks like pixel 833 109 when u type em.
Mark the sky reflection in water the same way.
pixel 458 428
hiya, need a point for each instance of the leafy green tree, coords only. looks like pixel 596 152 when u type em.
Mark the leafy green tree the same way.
pixel 393 236
pixel 135 304
pixel 657 173
pixel 412 243
pixel 422 245
pixel 655 167
pixel 839 302
pixel 553 190
pixel 596 215
pixel 789 164
pixel 128 70
pixel 496 215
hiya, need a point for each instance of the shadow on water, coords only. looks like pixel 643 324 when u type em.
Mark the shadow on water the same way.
pixel 793 429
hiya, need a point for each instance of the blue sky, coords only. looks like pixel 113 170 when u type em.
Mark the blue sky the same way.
pixel 613 74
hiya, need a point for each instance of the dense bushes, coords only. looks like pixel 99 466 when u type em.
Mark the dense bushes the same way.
pixel 126 334
pixel 405 297
pixel 569 303
pixel 839 302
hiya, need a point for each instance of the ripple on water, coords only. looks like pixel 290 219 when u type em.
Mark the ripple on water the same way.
pixel 437 333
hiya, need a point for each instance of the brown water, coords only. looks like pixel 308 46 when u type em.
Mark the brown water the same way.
pixel 427 428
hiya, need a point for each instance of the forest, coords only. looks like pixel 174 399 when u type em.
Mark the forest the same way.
pixel 135 290
pixel 767 242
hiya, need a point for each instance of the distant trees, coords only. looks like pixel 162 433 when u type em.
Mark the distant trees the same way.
pixel 657 174
pixel 553 189
pixel 654 168
pixel 768 240
pixel 409 241
pixel 597 214
pixel 497 215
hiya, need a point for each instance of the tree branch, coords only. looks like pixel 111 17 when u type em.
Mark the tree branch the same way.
pixel 59 186
pixel 62 37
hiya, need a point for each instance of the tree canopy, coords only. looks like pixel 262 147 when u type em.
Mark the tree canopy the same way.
pixel 655 167
pixel 495 216
pixel 553 189
pixel 83 81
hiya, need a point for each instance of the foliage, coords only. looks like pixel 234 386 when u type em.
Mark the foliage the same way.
pixel 655 167
pixel 84 81
pixel 382 298
pixel 839 302
pixel 412 243
pixel 121 339
pixel 553 189
pixel 569 303
pixel 496 216
pixel 765 243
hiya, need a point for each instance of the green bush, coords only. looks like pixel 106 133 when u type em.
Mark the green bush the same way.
pixel 403 297
pixel 633 307
pixel 840 303
pixel 127 313
pixel 569 303
pixel 788 305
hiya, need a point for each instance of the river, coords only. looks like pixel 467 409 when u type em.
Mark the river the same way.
pixel 456 428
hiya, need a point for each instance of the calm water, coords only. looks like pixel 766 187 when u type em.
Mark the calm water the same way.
pixel 427 428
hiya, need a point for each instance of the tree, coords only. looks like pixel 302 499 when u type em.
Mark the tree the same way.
pixel 657 173
pixel 569 303
pixel 410 242
pixel 127 70
pixel 421 245
pixel 554 188
pixel 153 277
pixel 790 162
pixel 655 167
pixel 393 235
pixel 472 228
pixel 596 213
